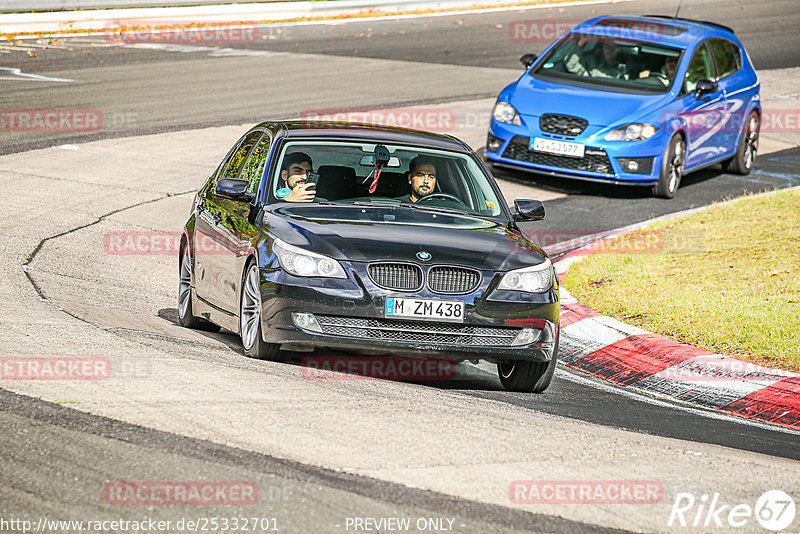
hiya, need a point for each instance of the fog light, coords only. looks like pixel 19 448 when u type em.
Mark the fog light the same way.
pixel 633 165
pixel 526 336
pixel 306 321
pixel 493 143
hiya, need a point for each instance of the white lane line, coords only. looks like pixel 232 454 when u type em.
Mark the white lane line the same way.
pixel 643 396
pixel 18 75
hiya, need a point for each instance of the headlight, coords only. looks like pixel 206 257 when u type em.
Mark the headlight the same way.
pixel 301 262
pixel 536 279
pixel 504 112
pixel 631 132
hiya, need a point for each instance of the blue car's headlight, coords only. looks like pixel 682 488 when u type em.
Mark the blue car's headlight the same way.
pixel 301 262
pixel 636 131
pixel 505 112
pixel 536 279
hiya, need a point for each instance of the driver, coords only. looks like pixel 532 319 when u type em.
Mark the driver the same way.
pixel 669 69
pixel 421 177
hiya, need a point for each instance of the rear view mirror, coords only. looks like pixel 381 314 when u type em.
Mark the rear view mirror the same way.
pixel 527 60
pixel 234 189
pixel 704 87
pixel 369 161
pixel 528 210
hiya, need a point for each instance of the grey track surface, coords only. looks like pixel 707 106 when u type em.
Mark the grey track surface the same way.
pixel 301 498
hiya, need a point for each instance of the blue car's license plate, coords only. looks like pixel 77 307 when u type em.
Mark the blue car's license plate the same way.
pixel 424 309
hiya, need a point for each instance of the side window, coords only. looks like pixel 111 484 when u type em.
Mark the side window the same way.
pixel 254 167
pixel 240 155
pixel 726 56
pixel 700 67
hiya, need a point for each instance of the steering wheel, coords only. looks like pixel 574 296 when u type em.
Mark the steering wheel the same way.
pixel 659 74
pixel 440 195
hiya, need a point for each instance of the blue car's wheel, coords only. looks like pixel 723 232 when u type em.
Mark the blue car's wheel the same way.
pixel 746 150
pixel 669 179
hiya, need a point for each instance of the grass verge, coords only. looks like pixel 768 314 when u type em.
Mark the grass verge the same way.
pixel 726 279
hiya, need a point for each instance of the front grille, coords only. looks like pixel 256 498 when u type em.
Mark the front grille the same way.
pixel 451 280
pixel 562 124
pixel 399 276
pixel 594 159
pixel 417 331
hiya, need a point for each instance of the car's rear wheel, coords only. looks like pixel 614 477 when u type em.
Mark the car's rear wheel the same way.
pixel 746 150
pixel 186 318
pixel 669 179
pixel 526 376
pixel 250 319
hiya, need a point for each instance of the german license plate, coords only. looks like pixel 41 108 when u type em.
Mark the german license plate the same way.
pixel 562 148
pixel 424 309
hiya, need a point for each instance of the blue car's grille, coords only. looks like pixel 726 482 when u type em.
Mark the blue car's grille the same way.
pixel 594 160
pixel 562 124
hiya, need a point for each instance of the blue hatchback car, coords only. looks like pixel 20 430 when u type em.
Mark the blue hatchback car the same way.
pixel 631 100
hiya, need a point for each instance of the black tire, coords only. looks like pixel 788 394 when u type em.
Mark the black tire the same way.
pixel 186 318
pixel 250 319
pixel 747 149
pixel 527 376
pixel 669 177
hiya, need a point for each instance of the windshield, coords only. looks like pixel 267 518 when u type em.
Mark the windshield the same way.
pixel 611 63
pixel 356 173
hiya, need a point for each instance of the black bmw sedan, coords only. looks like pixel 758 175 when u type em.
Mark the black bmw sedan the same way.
pixel 366 239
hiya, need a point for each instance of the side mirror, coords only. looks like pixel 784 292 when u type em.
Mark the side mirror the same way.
pixel 528 210
pixel 234 189
pixel 705 87
pixel 527 60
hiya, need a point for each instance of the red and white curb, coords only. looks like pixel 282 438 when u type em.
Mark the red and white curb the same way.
pixel 634 358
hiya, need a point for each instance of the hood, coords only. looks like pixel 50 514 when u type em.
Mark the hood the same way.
pixel 345 234
pixel 533 96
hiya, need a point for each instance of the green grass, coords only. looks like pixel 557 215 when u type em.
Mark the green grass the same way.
pixel 726 279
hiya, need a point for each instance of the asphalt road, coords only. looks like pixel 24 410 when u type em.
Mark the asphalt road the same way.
pixel 358 64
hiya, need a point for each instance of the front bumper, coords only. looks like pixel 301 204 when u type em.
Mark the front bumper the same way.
pixel 351 315
pixel 603 161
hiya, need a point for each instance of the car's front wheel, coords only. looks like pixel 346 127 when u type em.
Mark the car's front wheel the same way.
pixel 746 150
pixel 526 376
pixel 250 319
pixel 669 179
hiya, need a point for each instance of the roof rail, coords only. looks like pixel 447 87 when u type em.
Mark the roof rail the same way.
pixel 715 24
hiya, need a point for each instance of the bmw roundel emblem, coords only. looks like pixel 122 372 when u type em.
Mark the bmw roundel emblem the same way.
pixel 424 256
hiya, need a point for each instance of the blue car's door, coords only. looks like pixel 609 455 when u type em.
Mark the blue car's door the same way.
pixel 705 117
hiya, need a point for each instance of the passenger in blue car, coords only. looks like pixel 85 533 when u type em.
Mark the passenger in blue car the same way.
pixel 610 63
